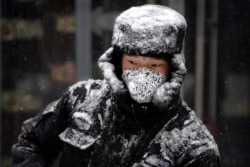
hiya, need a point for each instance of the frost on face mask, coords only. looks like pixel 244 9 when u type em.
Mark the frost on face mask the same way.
pixel 142 83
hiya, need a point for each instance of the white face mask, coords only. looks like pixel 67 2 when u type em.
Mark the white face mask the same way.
pixel 142 83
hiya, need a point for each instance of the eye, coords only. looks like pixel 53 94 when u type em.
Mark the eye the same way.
pixel 155 65
pixel 132 62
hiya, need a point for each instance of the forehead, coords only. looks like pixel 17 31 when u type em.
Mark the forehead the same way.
pixel 139 57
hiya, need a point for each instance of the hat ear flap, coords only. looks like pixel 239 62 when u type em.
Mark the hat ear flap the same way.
pixel 108 68
pixel 169 91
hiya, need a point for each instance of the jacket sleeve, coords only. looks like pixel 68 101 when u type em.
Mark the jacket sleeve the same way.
pixel 190 146
pixel 208 158
pixel 205 159
pixel 38 144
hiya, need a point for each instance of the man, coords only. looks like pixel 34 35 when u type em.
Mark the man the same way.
pixel 134 116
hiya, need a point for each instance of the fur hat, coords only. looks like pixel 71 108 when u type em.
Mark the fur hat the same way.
pixel 149 30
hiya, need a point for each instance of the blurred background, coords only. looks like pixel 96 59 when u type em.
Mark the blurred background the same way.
pixel 47 45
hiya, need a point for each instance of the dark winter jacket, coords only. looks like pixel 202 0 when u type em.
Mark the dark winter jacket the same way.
pixel 97 124
pixel 94 125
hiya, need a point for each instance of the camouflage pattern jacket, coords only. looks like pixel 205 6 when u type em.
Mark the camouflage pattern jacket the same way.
pixel 96 124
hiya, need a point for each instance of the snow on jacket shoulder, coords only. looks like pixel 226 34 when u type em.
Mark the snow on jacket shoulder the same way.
pixel 68 119
pixel 88 113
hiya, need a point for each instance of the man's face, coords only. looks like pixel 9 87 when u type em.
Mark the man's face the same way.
pixel 134 61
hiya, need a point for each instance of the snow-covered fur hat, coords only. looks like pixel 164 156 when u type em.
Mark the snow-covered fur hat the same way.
pixel 149 30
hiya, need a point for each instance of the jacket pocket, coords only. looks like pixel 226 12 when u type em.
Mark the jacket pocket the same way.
pixel 77 138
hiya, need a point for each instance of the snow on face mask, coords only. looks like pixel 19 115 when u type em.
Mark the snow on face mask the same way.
pixel 142 83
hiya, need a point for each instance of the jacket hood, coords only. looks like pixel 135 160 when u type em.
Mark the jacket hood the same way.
pixel 164 95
